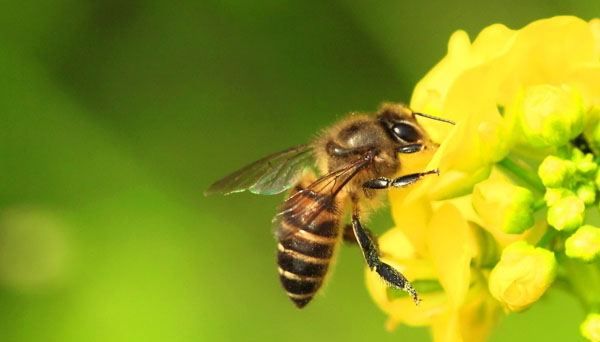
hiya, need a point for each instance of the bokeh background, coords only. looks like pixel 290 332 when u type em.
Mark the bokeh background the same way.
pixel 116 115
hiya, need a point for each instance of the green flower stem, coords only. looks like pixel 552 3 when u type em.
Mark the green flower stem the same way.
pixel 539 205
pixel 585 282
pixel 517 168
pixel 546 241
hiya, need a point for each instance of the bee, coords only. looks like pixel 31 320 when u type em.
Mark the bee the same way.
pixel 356 158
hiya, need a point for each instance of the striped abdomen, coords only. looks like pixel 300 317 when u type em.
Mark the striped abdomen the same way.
pixel 306 247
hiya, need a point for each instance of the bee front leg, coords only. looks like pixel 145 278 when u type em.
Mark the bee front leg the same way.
pixel 371 253
pixel 400 182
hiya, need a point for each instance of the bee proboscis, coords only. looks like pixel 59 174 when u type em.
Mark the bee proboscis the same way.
pixel 355 157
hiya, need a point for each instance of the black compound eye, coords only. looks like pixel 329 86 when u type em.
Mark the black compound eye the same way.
pixel 406 132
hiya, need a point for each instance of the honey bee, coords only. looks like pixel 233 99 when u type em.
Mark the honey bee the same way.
pixel 355 157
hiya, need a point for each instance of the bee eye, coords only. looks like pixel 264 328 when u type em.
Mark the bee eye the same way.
pixel 406 132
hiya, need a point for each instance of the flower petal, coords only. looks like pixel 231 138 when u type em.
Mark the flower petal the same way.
pixel 448 241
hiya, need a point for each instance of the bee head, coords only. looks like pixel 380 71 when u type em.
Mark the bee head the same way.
pixel 401 125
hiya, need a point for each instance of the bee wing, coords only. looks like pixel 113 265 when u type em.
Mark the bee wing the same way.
pixel 268 176
pixel 305 205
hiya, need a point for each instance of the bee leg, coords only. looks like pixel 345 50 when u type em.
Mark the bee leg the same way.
pixel 371 253
pixel 400 182
pixel 349 237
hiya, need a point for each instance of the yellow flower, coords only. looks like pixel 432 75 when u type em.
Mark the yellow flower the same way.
pixel 474 82
pixel 522 276
pixel 456 308
pixel 446 234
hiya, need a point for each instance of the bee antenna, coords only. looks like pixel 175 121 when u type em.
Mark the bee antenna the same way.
pixel 434 118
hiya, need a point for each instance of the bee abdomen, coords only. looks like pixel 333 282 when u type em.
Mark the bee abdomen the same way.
pixel 306 243
pixel 300 274
pixel 304 259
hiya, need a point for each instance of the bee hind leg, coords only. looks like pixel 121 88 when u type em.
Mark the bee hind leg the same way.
pixel 371 253
pixel 349 237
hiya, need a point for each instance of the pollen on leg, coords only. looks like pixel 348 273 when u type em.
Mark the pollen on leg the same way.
pixel 413 293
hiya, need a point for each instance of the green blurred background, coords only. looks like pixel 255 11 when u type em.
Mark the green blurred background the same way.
pixel 116 115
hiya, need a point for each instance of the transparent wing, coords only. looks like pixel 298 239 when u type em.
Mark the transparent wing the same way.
pixel 305 205
pixel 268 176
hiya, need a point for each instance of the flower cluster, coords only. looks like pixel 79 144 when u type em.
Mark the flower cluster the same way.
pixel 515 208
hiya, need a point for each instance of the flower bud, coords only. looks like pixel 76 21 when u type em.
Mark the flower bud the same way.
pixel 584 243
pixel 587 165
pixel 554 171
pixel 567 213
pixel 587 193
pixel 576 155
pixel 550 115
pixel 590 328
pixel 503 206
pixel 552 195
pixel 522 275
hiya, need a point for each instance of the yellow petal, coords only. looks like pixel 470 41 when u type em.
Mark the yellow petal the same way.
pixel 586 79
pixel 548 51
pixel 479 315
pixel 430 93
pixel 455 183
pixel 395 245
pixel 412 214
pixel 464 158
pixel 404 311
pixel 448 242
pixel 595 28
pixel 473 322
pixel 446 328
